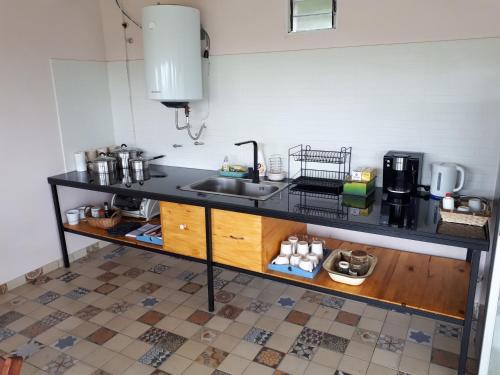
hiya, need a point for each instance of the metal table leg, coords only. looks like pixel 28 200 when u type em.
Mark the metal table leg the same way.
pixel 469 311
pixel 210 270
pixel 469 255
pixel 60 228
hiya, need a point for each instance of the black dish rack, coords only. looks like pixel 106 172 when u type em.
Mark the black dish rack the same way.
pixel 322 204
pixel 329 178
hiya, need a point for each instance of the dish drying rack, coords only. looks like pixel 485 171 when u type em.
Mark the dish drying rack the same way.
pixel 329 178
pixel 313 204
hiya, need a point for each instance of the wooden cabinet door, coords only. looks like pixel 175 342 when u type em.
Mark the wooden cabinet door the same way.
pixel 237 239
pixel 183 229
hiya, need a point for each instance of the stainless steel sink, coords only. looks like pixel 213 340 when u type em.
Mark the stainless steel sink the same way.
pixel 237 187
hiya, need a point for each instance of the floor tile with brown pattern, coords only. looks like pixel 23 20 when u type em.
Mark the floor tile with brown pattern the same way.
pixel 348 318
pixel 105 288
pixel 101 336
pixel 35 329
pixel 190 288
pixel 298 317
pixel 151 317
pixel 109 265
pixel 200 317
pixel 223 296
pixel 88 312
pixel 230 312
pixel 211 357
pixel 133 272
pixel 269 357
pixel 148 288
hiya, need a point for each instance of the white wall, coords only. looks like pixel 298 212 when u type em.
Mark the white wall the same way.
pixel 32 32
pixel 440 98
pixel 85 119
pixel 242 26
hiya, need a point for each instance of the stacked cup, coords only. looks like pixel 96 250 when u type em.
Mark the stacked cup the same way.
pixel 300 253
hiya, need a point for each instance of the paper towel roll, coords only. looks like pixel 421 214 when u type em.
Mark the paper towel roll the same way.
pixel 80 161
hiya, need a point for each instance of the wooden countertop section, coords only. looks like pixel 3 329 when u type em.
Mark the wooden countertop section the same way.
pixel 429 283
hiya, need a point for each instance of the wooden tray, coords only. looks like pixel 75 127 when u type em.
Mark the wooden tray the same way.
pixel 469 218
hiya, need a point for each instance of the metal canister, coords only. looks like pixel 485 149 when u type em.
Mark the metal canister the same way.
pixel 105 179
pixel 104 164
pixel 124 154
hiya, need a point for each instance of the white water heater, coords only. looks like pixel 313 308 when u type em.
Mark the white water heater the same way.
pixel 172 54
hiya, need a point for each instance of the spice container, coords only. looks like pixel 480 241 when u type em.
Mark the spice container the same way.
pixel 359 263
pixel 343 267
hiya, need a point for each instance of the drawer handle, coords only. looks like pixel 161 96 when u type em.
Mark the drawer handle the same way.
pixel 236 238
pixel 183 227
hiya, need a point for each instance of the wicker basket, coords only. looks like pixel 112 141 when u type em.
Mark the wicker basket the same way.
pixel 469 218
pixel 105 222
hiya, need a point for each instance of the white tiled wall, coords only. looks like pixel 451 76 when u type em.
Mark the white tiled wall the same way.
pixel 441 98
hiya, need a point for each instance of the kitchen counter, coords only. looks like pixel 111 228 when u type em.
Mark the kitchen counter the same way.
pixel 433 286
pixel 419 220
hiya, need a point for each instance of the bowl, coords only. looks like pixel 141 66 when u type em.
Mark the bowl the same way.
pixel 329 266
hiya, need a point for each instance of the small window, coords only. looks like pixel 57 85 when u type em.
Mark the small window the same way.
pixel 312 14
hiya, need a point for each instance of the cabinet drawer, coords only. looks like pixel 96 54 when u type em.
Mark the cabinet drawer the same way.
pixel 183 229
pixel 237 239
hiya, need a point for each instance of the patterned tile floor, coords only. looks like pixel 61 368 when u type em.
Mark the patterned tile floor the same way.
pixel 125 311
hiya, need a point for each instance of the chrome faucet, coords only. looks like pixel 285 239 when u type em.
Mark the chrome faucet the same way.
pixel 255 171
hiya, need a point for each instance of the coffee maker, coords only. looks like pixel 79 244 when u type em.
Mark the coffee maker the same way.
pixel 402 173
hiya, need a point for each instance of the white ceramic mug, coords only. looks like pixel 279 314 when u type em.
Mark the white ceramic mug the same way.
pixel 317 248
pixel 293 240
pixel 281 259
pixel 286 248
pixel 94 211
pixel 302 248
pixel 475 204
pixel 295 259
pixel 73 217
pixel 83 211
pixel 448 203
pixel 306 264
pixel 314 259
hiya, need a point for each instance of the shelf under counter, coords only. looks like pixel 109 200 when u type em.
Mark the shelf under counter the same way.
pixel 419 282
pixel 84 229
pixel 431 284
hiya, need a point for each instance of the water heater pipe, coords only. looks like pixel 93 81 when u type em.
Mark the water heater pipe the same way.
pixel 194 137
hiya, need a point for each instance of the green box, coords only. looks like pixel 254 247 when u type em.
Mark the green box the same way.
pixel 359 188
pixel 358 201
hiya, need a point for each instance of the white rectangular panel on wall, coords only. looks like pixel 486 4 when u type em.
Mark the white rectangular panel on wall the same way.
pixel 83 105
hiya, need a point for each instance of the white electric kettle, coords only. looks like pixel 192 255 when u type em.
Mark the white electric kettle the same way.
pixel 444 179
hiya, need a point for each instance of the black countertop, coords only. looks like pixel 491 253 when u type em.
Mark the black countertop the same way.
pixel 418 220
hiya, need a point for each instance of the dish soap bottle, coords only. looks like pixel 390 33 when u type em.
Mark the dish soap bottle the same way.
pixel 225 164
pixel 261 163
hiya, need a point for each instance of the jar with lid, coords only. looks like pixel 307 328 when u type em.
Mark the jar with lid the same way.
pixel 359 262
